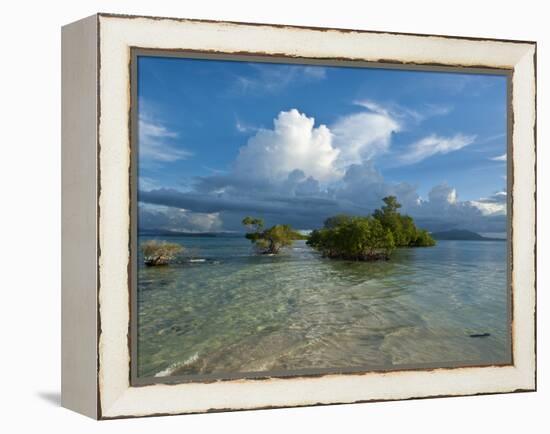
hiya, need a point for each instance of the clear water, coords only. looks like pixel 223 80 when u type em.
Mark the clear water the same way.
pixel 235 312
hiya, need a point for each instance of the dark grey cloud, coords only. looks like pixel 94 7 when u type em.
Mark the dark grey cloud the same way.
pixel 299 200
pixel 305 206
pixel 177 219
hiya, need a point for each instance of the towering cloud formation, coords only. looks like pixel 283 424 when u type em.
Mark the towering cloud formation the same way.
pixel 300 173
pixel 293 143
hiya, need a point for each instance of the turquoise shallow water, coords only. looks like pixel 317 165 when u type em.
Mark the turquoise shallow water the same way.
pixel 225 310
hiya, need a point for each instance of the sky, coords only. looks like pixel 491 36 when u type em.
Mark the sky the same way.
pixel 220 140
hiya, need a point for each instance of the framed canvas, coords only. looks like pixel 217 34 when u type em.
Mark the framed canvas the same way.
pixel 261 216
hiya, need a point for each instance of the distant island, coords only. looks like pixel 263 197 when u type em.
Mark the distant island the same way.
pixel 462 235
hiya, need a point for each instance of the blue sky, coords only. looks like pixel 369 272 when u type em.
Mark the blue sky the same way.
pixel 292 143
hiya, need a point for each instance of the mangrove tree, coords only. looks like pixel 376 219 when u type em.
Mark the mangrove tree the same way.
pixel 367 238
pixel 272 240
pixel 159 252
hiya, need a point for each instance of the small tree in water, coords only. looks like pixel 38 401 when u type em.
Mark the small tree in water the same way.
pixel 272 240
pixel 254 224
pixel 159 252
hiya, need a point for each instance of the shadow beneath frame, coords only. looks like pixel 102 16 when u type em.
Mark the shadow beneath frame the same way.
pixel 52 398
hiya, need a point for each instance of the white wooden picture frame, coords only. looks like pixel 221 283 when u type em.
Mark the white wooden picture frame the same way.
pixel 96 213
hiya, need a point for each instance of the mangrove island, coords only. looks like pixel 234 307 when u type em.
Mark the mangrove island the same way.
pixel 369 238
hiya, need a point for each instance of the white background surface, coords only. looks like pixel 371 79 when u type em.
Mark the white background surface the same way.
pixel 30 217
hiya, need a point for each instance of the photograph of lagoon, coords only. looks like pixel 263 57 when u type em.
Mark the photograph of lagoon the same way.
pixel 298 218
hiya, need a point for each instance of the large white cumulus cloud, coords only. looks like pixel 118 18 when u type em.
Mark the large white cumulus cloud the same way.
pixel 322 152
pixel 293 143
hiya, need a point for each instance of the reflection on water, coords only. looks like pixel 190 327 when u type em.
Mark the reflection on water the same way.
pixel 233 311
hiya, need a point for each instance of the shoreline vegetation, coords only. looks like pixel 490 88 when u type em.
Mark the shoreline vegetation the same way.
pixel 157 253
pixel 370 238
pixel 354 238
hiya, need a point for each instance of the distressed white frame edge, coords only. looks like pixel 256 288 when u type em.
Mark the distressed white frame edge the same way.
pixel 79 99
pixel 116 36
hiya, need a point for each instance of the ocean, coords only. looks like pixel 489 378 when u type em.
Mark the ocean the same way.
pixel 225 311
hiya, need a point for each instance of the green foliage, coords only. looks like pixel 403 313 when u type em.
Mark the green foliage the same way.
pixel 252 223
pixel 353 238
pixel 423 239
pixel 159 252
pixel 369 238
pixel 402 227
pixel 337 220
pixel 272 240
pixel 277 237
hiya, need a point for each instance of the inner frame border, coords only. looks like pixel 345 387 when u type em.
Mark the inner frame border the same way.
pixel 136 52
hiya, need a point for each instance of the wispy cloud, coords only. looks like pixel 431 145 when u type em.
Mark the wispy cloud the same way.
pixel 493 137
pixel 214 170
pixel 243 127
pixel 454 84
pixel 499 158
pixel 315 72
pixel 155 143
pixel 491 144
pixel 433 145
pixel 273 78
pixel 373 106
pixel 147 184
pixel 430 110
pixel 405 114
